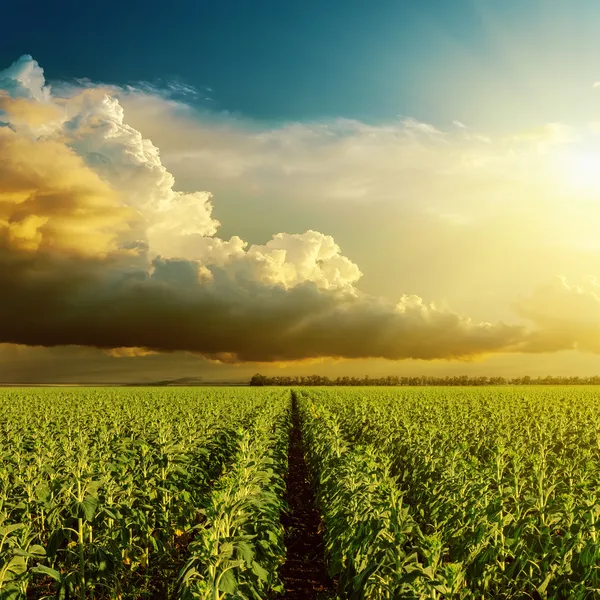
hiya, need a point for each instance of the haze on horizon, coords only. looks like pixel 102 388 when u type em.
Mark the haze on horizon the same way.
pixel 224 188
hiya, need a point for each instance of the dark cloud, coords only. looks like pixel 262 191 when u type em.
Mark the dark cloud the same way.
pixel 51 301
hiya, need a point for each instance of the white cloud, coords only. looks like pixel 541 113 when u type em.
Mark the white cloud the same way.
pixel 25 78
pixel 407 162
pixel 176 224
pixel 167 282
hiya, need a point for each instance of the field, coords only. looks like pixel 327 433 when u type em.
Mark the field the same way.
pixel 374 493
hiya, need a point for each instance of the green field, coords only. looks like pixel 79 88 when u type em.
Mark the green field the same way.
pixel 436 492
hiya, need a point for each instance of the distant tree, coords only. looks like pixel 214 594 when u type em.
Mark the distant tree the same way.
pixel 259 379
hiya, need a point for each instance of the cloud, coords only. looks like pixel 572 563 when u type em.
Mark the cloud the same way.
pixel 475 219
pixel 98 248
pixel 412 165
pixel 175 308
pixel 25 79
pixel 51 201
pixel 131 352
pixel 546 136
pixel 38 116
pixel 77 364
pixel 566 316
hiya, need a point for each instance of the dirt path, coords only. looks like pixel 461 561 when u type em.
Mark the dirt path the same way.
pixel 304 573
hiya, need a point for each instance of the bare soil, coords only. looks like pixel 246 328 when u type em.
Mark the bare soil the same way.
pixel 304 574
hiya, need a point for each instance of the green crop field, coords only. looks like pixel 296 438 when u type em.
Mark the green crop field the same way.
pixel 472 493
pixel 132 493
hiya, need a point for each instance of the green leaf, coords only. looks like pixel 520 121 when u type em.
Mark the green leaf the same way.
pixel 10 592
pixel 8 529
pixel 36 550
pixel 246 551
pixel 541 589
pixel 93 487
pixel 42 492
pixel 89 506
pixel 43 570
pixel 228 582
pixel 226 550
pixel 260 572
pixel 17 565
pixel 110 513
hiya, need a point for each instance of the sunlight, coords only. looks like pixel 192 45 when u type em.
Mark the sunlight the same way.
pixel 582 169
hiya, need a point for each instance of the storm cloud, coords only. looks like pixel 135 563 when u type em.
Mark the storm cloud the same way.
pixel 98 248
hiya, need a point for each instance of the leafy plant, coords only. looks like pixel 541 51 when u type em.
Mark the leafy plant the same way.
pixel 239 547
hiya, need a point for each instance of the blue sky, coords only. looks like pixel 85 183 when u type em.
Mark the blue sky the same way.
pixel 267 60
pixel 433 60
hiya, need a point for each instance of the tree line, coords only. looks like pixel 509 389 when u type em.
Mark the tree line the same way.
pixel 305 380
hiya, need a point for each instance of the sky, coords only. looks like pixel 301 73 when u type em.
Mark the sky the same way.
pixel 217 189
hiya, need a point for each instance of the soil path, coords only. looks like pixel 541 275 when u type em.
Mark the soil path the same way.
pixel 304 573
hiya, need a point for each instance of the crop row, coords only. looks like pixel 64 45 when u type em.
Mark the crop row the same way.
pixel 239 546
pixel 375 547
pixel 103 493
pixel 490 493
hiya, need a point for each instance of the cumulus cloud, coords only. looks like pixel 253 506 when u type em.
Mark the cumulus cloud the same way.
pixel 50 199
pixel 98 248
pixel 25 79
pixel 175 307
pixel 450 213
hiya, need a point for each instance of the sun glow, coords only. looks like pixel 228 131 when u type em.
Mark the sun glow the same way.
pixel 581 168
